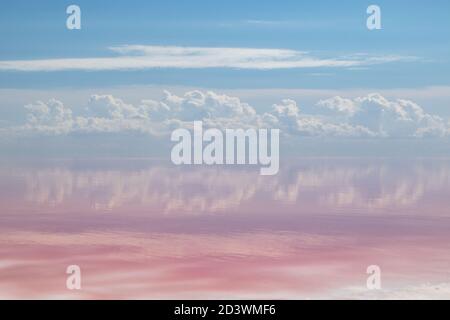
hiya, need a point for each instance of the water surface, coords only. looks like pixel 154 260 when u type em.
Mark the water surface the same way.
pixel 142 228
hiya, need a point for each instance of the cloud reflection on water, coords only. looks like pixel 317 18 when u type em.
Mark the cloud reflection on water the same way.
pixel 146 230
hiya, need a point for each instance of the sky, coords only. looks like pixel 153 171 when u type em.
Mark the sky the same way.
pixel 287 60
pixel 86 118
pixel 415 30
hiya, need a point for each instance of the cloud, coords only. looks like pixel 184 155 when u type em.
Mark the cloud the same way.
pixel 368 116
pixel 385 118
pixel 106 106
pixel 51 117
pixel 140 57
pixel 338 105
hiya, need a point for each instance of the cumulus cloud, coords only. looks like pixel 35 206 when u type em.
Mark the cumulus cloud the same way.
pixel 50 117
pixel 385 118
pixel 106 106
pixel 368 116
pixel 139 57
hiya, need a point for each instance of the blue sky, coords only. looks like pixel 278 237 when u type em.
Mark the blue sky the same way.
pixel 310 68
pixel 36 30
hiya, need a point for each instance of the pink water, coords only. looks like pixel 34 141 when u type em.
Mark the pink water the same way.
pixel 147 229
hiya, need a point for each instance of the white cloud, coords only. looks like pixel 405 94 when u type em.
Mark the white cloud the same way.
pixel 138 57
pixel 338 105
pixel 106 106
pixel 382 117
pixel 51 117
pixel 368 116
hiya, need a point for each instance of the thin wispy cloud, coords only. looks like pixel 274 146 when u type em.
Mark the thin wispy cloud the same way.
pixel 141 57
